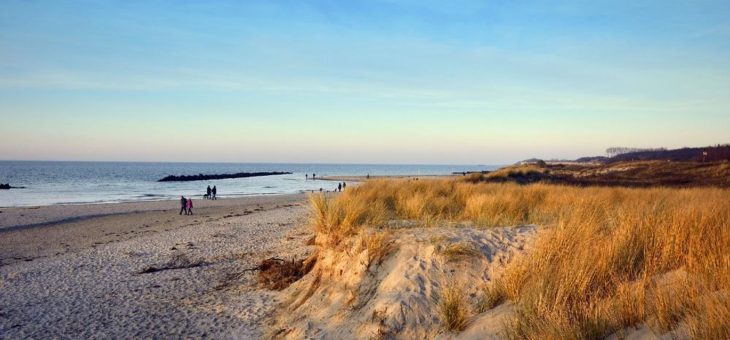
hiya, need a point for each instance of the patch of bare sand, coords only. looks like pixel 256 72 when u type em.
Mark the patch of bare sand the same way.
pixel 346 297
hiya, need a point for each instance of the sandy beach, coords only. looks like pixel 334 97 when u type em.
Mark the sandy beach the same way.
pixel 360 179
pixel 77 271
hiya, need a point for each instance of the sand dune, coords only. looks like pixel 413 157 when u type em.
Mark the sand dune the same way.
pixel 344 298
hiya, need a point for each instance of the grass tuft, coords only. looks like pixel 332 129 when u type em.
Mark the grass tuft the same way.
pixel 492 295
pixel 459 251
pixel 453 308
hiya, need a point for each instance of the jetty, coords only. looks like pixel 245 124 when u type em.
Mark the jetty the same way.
pixel 202 177
pixel 8 187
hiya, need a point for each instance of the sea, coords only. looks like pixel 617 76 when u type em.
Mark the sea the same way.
pixel 52 183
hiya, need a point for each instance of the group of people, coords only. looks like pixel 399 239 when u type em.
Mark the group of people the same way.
pixel 339 188
pixel 186 205
pixel 210 193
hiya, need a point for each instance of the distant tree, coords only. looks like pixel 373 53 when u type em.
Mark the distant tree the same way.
pixel 618 150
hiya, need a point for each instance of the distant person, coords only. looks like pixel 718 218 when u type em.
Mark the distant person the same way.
pixel 306 177
pixel 367 177
pixel 189 206
pixel 344 185
pixel 314 177
pixel 183 205
pixel 339 187
pixel 320 189
pixel 215 192
pixel 208 191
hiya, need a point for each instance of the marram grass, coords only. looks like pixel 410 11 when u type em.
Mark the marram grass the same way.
pixel 608 258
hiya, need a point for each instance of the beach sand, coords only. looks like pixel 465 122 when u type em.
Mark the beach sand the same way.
pixel 358 179
pixel 77 271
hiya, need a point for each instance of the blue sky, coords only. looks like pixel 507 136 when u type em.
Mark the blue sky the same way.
pixel 472 82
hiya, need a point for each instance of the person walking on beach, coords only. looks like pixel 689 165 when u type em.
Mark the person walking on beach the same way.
pixel 339 187
pixel 314 177
pixel 183 205
pixel 208 191
pixel 344 185
pixel 189 205
pixel 306 177
pixel 215 191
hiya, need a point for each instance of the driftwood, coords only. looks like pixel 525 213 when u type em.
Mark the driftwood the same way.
pixel 202 177
pixel 179 261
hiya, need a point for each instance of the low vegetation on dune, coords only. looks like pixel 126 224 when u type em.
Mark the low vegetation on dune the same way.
pixel 622 174
pixel 608 258
pixel 614 258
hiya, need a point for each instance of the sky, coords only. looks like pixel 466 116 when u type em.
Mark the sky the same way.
pixel 437 82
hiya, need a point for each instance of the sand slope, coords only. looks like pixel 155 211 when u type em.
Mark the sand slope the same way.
pixel 343 299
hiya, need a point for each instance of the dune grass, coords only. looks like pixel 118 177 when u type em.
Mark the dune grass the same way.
pixel 609 257
pixel 459 251
pixel 453 308
pixel 491 296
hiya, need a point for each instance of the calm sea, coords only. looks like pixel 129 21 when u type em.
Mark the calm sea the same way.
pixel 50 183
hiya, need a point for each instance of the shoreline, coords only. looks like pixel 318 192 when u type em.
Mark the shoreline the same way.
pixel 27 234
pixel 143 200
pixel 48 215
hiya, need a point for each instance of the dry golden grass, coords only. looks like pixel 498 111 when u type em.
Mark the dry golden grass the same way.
pixel 453 308
pixel 492 296
pixel 378 245
pixel 600 264
pixel 459 251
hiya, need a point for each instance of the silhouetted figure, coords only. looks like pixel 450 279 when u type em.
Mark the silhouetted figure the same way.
pixel 339 187
pixel 320 189
pixel 208 191
pixel 306 177
pixel 183 204
pixel 367 177
pixel 189 205
pixel 314 177
pixel 215 192
pixel 344 185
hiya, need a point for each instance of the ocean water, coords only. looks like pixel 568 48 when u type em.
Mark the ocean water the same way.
pixel 49 183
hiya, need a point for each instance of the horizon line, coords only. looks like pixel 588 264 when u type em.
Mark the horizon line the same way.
pixel 241 162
